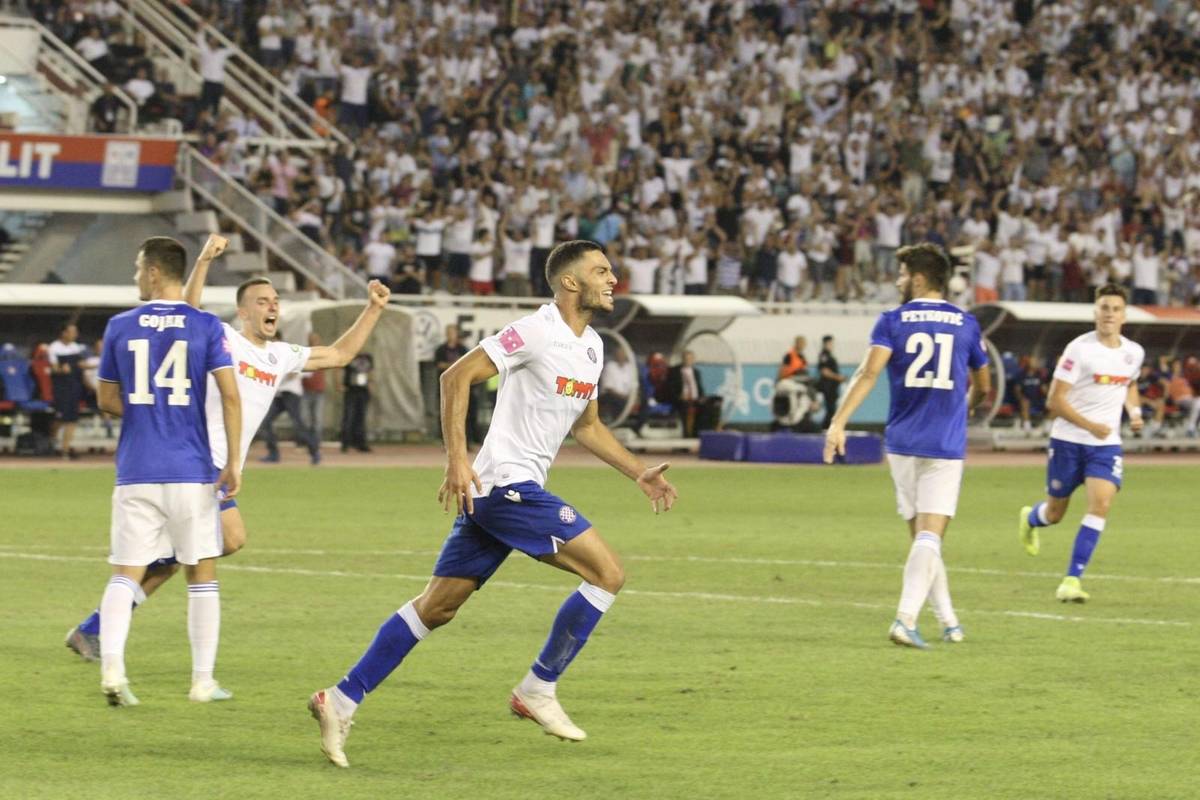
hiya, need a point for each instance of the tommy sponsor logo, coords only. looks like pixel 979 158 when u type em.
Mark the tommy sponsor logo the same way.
pixel 255 374
pixel 511 341
pixel 1112 380
pixel 569 387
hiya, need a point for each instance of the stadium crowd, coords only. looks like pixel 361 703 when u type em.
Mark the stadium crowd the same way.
pixel 779 150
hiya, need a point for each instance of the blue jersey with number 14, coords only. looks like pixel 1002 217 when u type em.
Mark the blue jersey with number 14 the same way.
pixel 934 345
pixel 161 354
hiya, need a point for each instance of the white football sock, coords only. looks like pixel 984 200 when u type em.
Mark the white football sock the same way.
pixel 204 628
pixel 939 597
pixel 532 684
pixel 344 706
pixel 919 573
pixel 116 614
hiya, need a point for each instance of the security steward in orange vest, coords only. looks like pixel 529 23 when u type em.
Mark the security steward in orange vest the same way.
pixel 794 362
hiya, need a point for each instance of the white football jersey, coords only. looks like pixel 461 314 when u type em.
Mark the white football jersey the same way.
pixel 259 372
pixel 548 375
pixel 1099 378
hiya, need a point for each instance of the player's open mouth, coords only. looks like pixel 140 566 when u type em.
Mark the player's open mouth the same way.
pixel 270 320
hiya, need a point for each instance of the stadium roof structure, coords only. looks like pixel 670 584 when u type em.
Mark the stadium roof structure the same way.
pixel 992 315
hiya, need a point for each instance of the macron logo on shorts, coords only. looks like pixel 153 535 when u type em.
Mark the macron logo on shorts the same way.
pixel 511 341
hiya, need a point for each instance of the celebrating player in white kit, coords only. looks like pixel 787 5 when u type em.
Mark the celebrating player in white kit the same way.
pixel 259 363
pixel 930 348
pixel 549 364
pixel 1096 376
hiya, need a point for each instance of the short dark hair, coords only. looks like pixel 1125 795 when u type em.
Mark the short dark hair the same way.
pixel 565 255
pixel 826 339
pixel 166 254
pixel 246 284
pixel 929 260
pixel 1114 290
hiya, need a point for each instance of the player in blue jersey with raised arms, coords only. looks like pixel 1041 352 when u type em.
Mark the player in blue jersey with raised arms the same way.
pixel 935 358
pixel 549 365
pixel 154 373
pixel 1095 377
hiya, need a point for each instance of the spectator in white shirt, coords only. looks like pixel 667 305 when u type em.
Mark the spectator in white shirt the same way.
pixel 1147 268
pixel 212 71
pixel 643 270
pixel 618 381
pixel 270 37
pixel 889 218
pixel 792 266
pixel 987 273
pixel 483 263
pixel 381 258
pixel 94 49
pixel 518 252
pixel 352 105
pixel 140 87
pixel 1013 259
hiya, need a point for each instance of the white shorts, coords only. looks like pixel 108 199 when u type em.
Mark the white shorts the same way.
pixel 158 520
pixel 925 485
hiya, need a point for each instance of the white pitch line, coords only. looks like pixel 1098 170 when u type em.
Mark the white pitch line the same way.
pixel 732 598
pixel 688 559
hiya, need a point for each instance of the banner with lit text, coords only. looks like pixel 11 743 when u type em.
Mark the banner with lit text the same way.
pixel 104 163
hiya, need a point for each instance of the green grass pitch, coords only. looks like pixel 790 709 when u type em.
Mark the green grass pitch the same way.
pixel 747 657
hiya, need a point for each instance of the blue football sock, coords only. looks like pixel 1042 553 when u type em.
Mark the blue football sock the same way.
pixel 1085 544
pixel 91 625
pixel 1037 516
pixel 575 621
pixel 398 635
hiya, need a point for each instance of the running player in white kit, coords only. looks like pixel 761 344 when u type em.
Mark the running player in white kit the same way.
pixel 1096 376
pixel 259 362
pixel 549 364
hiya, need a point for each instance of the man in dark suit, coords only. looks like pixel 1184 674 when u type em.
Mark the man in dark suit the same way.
pixel 685 390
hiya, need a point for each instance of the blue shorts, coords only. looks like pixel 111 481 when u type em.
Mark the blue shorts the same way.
pixel 1071 464
pixel 228 504
pixel 521 516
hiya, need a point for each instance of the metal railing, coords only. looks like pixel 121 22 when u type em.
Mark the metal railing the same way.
pixel 247 83
pixel 69 76
pixel 275 234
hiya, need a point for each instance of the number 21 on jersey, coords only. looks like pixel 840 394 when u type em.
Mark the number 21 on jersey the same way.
pixel 925 346
pixel 171 374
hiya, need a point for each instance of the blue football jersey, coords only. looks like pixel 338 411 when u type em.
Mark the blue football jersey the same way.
pixel 935 345
pixel 161 354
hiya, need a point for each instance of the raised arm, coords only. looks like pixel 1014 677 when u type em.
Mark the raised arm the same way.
pixel 861 383
pixel 194 288
pixel 456 382
pixel 595 436
pixel 341 352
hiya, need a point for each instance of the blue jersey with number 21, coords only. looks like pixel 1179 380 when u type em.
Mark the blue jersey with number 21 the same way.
pixel 934 345
pixel 161 354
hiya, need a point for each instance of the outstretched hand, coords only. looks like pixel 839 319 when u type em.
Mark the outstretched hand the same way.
pixel 378 294
pixel 660 491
